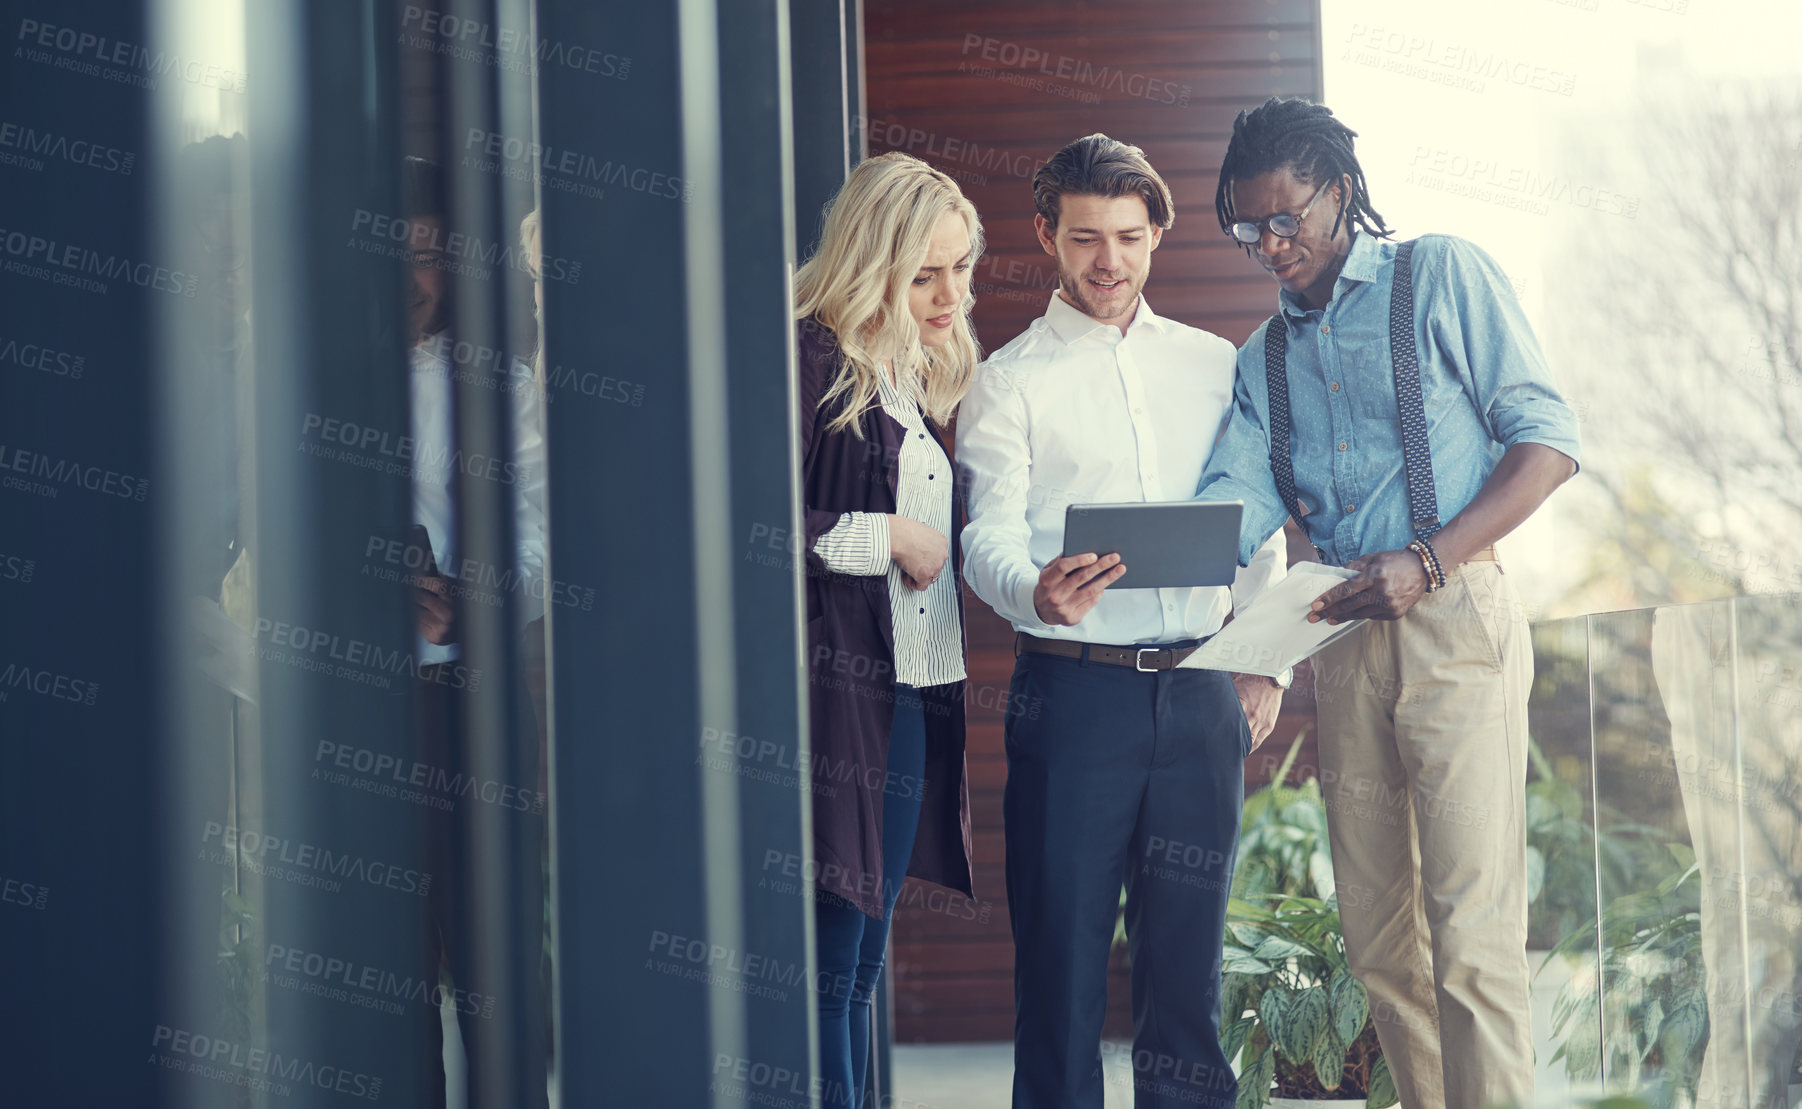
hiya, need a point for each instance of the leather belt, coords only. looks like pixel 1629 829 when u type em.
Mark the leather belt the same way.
pixel 1143 659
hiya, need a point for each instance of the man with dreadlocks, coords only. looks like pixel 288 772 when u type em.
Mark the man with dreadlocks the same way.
pixel 1399 409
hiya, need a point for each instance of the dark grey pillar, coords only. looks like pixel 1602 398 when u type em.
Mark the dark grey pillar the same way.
pixel 683 974
pixel 350 879
pixel 81 890
pixel 827 57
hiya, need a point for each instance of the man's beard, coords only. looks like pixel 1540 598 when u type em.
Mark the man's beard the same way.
pixel 1082 294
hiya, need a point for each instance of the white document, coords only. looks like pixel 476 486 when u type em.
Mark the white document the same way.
pixel 1273 633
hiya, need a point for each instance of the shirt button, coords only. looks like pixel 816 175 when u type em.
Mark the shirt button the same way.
pixel 1138 411
pixel 1169 608
pixel 1351 508
pixel 922 435
pixel 1341 446
pixel 1325 330
pixel 929 477
pixel 1334 386
pixel 922 612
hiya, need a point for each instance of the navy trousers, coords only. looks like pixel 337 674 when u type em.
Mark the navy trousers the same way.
pixel 1116 776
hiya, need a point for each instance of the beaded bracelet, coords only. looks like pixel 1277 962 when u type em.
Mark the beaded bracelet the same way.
pixel 1425 566
pixel 1438 567
pixel 1429 561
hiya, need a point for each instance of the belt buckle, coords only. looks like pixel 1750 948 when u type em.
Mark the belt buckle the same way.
pixel 1139 660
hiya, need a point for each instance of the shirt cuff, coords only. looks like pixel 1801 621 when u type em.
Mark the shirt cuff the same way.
pixel 1564 446
pixel 1029 612
pixel 858 544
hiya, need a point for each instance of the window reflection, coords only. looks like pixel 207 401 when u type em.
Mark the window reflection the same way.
pixel 1736 745
pixel 363 716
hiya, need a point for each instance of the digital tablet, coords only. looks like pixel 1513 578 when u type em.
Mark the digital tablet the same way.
pixel 1165 545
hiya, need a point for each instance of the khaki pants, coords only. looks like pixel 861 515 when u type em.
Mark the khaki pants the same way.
pixel 1423 761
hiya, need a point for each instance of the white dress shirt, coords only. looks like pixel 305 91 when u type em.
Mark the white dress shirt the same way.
pixel 435 461
pixel 929 648
pixel 1075 412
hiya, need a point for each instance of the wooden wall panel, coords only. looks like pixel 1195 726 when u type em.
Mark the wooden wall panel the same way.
pixel 987 90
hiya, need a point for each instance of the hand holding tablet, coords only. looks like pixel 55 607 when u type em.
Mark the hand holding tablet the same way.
pixel 1069 586
pixel 1164 545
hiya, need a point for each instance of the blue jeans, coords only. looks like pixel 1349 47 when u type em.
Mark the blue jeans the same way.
pixel 852 946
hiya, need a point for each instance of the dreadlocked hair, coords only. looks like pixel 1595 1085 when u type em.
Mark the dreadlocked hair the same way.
pixel 1296 134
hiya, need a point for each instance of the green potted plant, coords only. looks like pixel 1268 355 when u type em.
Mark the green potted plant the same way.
pixel 1290 1007
pixel 1302 1021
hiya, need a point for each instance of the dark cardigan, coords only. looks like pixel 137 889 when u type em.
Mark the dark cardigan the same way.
pixel 851 663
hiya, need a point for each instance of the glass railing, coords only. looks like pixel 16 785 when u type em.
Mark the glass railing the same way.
pixel 1664 816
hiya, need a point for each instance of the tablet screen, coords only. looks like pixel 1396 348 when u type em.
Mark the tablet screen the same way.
pixel 1164 545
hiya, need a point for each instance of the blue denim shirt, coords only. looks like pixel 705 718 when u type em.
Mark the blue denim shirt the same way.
pixel 1483 378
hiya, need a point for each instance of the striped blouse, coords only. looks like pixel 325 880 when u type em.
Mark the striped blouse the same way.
pixel 928 645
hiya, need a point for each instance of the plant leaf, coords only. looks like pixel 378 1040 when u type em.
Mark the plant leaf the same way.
pixel 1309 1018
pixel 1328 1058
pixel 1239 909
pixel 1273 1011
pixel 1237 962
pixel 1351 1006
pixel 1541 811
pixel 1245 932
pixel 1233 1036
pixel 1235 990
pixel 1382 1086
pixel 1654 1018
pixel 1298 903
pixel 1684 1027
pixel 1583 1046
pixel 1255 1079
pixel 1277 948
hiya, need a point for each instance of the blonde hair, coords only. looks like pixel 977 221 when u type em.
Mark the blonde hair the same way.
pixel 878 230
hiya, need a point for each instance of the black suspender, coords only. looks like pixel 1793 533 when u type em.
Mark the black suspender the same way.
pixel 1423 501
pixel 1276 379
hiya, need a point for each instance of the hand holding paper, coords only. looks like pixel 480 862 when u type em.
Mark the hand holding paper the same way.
pixel 1386 586
pixel 1274 633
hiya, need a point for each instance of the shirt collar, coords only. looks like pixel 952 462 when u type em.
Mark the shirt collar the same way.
pixel 1071 324
pixel 891 394
pixel 1363 262
pixel 433 354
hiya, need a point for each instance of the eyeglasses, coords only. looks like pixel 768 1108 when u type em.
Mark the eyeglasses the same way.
pixel 1282 225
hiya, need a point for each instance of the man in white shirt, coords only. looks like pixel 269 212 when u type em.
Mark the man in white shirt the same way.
pixel 434 363
pixel 1130 769
pixel 445 581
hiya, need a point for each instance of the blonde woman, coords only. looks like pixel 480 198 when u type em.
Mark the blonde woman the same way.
pixel 886 353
